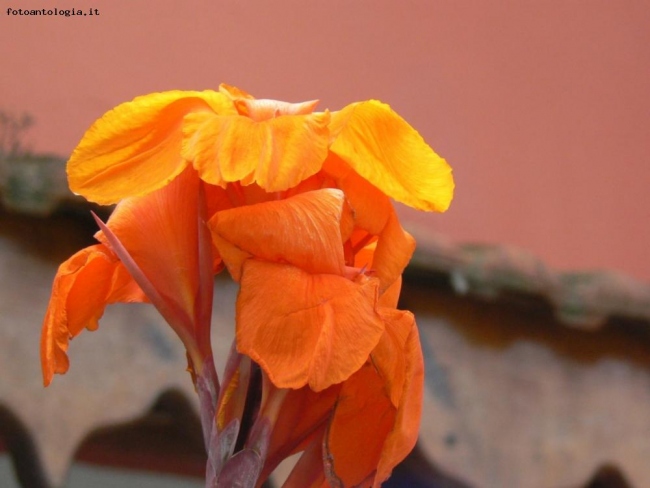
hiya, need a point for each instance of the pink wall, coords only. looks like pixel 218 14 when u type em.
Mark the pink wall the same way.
pixel 541 107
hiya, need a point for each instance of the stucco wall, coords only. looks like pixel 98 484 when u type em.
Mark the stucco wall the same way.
pixel 540 106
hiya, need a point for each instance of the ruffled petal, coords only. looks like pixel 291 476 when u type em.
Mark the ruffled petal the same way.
pixel 385 150
pixel 277 154
pixel 305 329
pixel 404 434
pixel 83 286
pixel 363 418
pixel 306 231
pixel 135 148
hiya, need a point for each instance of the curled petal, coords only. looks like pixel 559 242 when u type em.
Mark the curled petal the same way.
pixel 277 154
pixel 83 286
pixel 305 329
pixel 135 148
pixel 385 150
pixel 259 110
pixel 389 357
pixel 394 249
pixel 305 230
pixel 263 109
pixel 404 434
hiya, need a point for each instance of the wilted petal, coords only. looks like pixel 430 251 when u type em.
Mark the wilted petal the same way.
pixel 306 231
pixel 83 286
pixel 385 150
pixel 277 154
pixel 136 147
pixel 305 329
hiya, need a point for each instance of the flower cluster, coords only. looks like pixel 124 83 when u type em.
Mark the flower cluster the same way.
pixel 295 204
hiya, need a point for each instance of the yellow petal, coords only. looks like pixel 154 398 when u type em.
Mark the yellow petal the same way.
pixel 83 286
pixel 135 148
pixel 304 230
pixel 277 154
pixel 305 329
pixel 385 150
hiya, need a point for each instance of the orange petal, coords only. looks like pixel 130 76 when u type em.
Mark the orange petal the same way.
pixel 363 418
pixel 390 297
pixel 374 213
pixel 388 357
pixel 371 206
pixel 302 419
pixel 83 286
pixel 276 154
pixel 305 329
pixel 135 148
pixel 160 233
pixel 394 249
pixel 308 472
pixel 304 230
pixel 404 434
pixel 385 150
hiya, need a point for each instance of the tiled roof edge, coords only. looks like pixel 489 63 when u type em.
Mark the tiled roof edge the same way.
pixel 583 299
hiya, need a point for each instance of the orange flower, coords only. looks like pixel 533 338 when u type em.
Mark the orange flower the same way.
pixel 298 207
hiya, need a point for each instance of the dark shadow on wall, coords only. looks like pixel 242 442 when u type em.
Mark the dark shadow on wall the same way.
pixel 22 451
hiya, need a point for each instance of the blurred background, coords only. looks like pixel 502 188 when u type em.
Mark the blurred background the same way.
pixel 532 288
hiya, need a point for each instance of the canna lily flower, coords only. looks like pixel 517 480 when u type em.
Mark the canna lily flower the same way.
pixel 297 205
